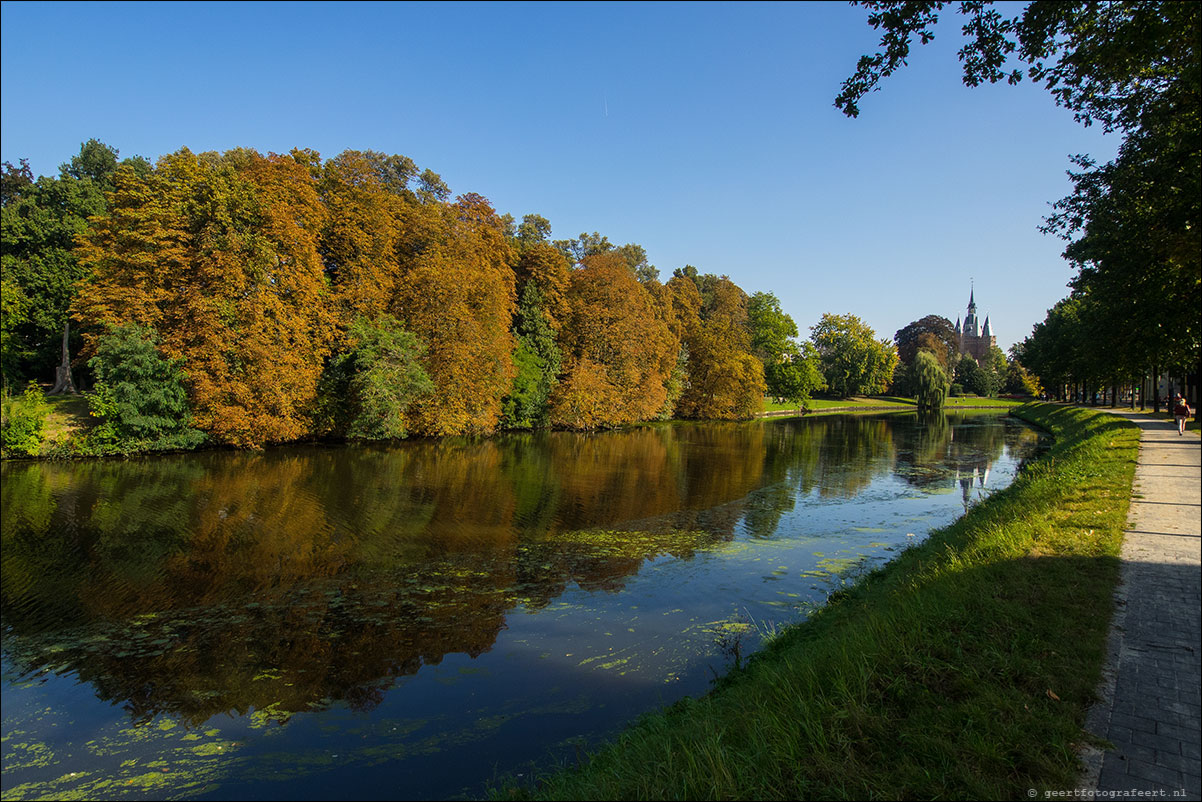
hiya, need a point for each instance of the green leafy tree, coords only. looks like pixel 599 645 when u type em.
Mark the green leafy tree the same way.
pixel 367 389
pixel 929 381
pixel 139 394
pixel 14 313
pixel 998 368
pixel 14 181
pixel 1020 381
pixel 797 376
pixel 585 245
pixel 772 341
pixel 1132 67
pixel 39 223
pixel 1107 62
pixel 854 362
pixel 534 228
pixel 973 378
pixel 538 361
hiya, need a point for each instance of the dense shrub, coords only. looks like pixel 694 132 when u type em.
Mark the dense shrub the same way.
pixel 368 389
pixel 22 420
pixel 139 396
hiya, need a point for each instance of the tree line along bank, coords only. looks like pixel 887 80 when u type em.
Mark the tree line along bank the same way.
pixel 243 300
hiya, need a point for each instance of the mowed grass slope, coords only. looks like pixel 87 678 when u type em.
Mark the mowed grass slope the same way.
pixel 961 670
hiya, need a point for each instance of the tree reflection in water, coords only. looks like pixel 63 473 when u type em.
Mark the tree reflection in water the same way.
pixel 296 578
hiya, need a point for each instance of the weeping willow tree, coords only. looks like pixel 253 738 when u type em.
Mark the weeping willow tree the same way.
pixel 929 381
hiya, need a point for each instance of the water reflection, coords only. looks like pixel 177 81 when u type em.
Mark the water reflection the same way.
pixel 299 578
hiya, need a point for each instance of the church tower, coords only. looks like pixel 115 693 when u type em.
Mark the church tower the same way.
pixel 975 339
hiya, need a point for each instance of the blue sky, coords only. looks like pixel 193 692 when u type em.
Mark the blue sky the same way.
pixel 704 132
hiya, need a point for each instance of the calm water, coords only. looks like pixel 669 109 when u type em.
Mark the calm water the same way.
pixel 411 622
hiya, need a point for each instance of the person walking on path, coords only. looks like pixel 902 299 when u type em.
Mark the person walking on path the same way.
pixel 1181 412
pixel 1150 708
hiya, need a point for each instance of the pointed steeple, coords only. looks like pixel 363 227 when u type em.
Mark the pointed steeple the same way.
pixel 986 331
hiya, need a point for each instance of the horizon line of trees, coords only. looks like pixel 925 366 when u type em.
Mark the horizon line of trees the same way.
pixel 250 299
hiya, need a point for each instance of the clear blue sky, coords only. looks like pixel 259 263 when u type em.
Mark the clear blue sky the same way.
pixel 704 132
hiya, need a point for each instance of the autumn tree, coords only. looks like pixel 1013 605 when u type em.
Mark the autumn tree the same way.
pixel 617 351
pixel 455 291
pixel 933 333
pixel 725 379
pixel 219 256
pixel 363 193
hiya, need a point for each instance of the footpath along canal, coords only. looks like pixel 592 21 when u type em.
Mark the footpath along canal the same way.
pixel 1150 710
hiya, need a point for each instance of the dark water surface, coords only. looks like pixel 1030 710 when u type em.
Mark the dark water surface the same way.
pixel 413 621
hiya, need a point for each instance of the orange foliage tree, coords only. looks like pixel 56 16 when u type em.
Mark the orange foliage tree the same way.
pixel 456 292
pixel 219 255
pixel 252 270
pixel 365 195
pixel 618 352
pixel 725 380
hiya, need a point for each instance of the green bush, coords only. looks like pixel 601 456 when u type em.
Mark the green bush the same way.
pixel 139 396
pixel 366 391
pixel 22 420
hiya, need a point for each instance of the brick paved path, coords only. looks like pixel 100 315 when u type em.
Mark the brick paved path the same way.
pixel 1150 706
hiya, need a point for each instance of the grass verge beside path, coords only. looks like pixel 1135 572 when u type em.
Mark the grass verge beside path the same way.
pixel 867 403
pixel 961 670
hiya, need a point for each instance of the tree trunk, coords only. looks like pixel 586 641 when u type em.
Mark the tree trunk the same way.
pixel 1155 388
pixel 63 383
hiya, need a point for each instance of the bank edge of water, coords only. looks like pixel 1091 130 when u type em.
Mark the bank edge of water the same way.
pixel 963 669
pixel 69 416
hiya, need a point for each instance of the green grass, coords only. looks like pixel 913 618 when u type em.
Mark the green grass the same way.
pixel 69 416
pixel 888 402
pixel 961 670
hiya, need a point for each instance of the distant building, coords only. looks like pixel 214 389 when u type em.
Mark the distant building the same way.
pixel 975 340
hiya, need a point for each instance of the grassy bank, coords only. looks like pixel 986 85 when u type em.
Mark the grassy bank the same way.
pixel 961 670
pixel 887 402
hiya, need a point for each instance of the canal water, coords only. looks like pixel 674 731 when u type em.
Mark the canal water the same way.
pixel 417 621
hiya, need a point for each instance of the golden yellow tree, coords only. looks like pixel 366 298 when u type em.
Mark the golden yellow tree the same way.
pixel 456 292
pixel 219 255
pixel 725 380
pixel 618 352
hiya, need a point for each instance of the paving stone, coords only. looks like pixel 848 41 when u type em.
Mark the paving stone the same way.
pixel 1168 778
pixel 1174 762
pixel 1155 658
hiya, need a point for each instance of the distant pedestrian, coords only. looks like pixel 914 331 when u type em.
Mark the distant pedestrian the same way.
pixel 1181 412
